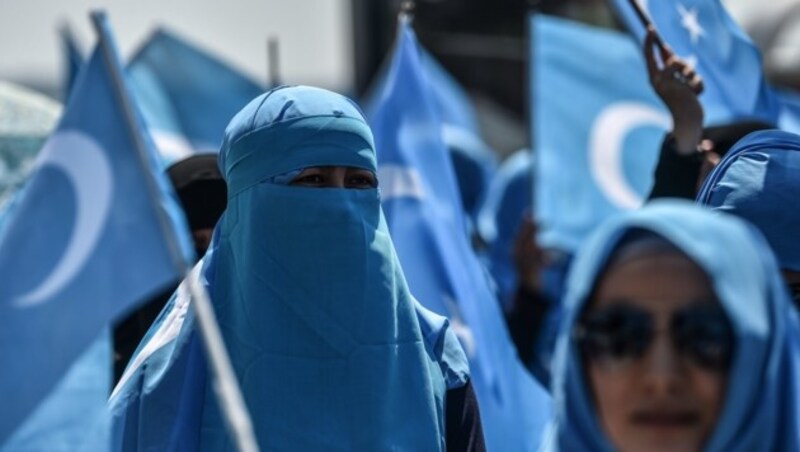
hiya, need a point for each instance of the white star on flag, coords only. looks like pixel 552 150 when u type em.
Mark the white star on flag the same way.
pixel 691 23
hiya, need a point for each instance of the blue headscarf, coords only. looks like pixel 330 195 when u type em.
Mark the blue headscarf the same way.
pixel 331 350
pixel 762 405
pixel 759 180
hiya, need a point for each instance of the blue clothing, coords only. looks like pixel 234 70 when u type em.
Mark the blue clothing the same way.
pixel 759 180
pixel 761 409
pixel 331 349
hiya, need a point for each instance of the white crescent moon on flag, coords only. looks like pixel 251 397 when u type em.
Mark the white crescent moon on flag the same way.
pixel 86 166
pixel 606 142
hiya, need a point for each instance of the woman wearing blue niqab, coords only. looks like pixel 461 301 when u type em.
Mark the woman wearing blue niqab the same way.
pixel 310 295
pixel 759 180
pixel 330 348
pixel 714 376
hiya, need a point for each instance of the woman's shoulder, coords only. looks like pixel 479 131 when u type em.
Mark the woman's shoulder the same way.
pixel 443 346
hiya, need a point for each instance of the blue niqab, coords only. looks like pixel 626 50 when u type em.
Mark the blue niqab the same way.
pixel 759 180
pixel 762 405
pixel 331 350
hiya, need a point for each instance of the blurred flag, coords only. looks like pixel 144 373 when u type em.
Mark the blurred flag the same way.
pixel 703 33
pixel 597 125
pixel 474 162
pixel 93 234
pixel 73 416
pixel 187 96
pixel 420 199
pixel 499 219
pixel 73 60
pixel 455 107
pixel 789 119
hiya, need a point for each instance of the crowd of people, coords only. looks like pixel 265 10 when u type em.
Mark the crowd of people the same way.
pixel 675 324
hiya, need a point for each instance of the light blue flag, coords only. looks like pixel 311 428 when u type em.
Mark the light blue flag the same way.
pixel 474 161
pixel 72 60
pixel 703 33
pixel 73 417
pixel 454 104
pixel 96 231
pixel 597 125
pixel 420 200
pixel 187 96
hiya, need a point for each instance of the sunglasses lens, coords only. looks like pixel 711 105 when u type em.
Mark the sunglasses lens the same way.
pixel 615 333
pixel 795 292
pixel 705 335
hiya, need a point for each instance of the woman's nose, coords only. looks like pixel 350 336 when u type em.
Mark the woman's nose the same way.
pixel 336 177
pixel 662 366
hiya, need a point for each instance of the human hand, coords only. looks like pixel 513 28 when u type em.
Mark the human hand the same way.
pixel 678 86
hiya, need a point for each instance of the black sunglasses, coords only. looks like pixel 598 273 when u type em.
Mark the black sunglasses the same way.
pixel 794 291
pixel 620 332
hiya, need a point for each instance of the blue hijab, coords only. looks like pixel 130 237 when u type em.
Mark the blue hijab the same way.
pixel 759 180
pixel 331 350
pixel 762 405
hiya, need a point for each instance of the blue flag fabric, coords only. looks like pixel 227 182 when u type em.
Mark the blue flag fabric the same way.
pixel 73 61
pixel 454 104
pixel 73 417
pixel 187 95
pixel 500 216
pixel 703 33
pixel 597 130
pixel 474 162
pixel 425 217
pixel 83 244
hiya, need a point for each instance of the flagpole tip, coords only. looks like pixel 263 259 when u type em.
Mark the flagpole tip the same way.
pixel 407 8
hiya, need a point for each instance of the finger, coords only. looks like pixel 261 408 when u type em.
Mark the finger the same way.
pixel 675 64
pixel 697 84
pixel 693 79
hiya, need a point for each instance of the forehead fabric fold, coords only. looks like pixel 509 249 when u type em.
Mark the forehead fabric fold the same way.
pixel 289 128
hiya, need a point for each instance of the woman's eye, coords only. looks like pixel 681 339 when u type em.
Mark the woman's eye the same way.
pixel 310 179
pixel 362 181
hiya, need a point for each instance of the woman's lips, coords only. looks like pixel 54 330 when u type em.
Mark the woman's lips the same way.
pixel 665 419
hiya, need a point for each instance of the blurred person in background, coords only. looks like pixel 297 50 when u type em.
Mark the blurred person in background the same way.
pixel 759 180
pixel 678 335
pixel 756 178
pixel 203 196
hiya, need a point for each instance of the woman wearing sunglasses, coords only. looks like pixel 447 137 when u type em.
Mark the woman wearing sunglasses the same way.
pixel 678 336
